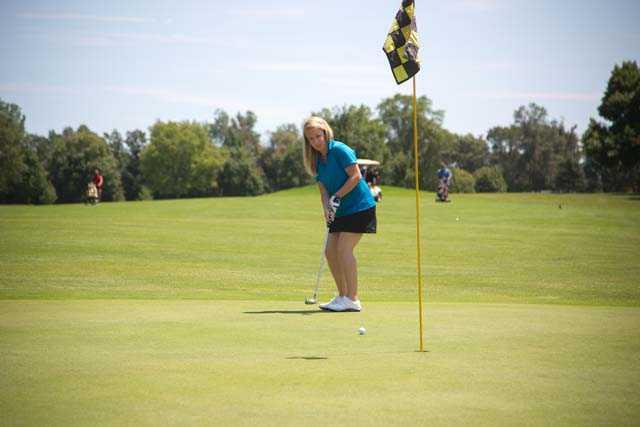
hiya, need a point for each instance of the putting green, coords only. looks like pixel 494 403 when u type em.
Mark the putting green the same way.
pixel 273 363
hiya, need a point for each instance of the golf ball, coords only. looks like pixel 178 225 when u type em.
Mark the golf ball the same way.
pixel 457 218
pixel 361 330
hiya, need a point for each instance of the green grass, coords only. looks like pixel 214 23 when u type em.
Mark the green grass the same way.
pixel 274 363
pixel 190 312
pixel 510 248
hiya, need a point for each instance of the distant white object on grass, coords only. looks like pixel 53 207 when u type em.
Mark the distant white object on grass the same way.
pixel 362 330
pixel 457 218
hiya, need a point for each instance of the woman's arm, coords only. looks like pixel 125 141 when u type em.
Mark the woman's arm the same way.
pixel 353 171
pixel 324 199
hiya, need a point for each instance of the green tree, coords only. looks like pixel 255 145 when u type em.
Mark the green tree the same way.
pixel 75 156
pixel 132 179
pixel 12 134
pixel 23 177
pixel 127 155
pixel 467 152
pixel 398 170
pixel 570 177
pixel 530 151
pixel 356 127
pixel 118 149
pixel 396 114
pixel 463 181
pixel 613 148
pixel 489 179
pixel 240 176
pixel 282 160
pixel 180 161
pixel 34 186
pixel 234 133
pixel 42 146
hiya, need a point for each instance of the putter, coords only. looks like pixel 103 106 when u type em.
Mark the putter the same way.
pixel 314 298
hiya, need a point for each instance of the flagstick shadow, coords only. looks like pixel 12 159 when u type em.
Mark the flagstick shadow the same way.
pixel 307 358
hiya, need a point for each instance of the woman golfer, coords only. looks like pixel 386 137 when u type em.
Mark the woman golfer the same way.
pixel 348 207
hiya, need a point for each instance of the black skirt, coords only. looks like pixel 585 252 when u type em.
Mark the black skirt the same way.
pixel 359 222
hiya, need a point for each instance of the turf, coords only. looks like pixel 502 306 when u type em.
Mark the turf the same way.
pixel 509 248
pixel 190 312
pixel 266 363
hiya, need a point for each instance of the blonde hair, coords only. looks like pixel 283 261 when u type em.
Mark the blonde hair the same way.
pixel 309 154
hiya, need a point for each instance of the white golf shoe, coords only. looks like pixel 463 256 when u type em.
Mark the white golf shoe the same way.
pixel 343 304
pixel 331 304
pixel 351 305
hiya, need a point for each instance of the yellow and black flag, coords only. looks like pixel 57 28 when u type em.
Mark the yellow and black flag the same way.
pixel 401 44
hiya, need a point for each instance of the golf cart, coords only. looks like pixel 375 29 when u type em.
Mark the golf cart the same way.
pixel 369 169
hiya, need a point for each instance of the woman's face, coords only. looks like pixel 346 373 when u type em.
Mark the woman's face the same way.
pixel 316 138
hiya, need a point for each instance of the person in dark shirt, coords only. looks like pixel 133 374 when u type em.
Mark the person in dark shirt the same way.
pixel 444 180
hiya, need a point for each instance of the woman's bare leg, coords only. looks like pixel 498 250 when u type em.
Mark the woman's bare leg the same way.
pixel 333 259
pixel 347 262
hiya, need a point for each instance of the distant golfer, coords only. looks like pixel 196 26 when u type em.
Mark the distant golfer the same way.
pixel 98 180
pixel 444 180
pixel 349 208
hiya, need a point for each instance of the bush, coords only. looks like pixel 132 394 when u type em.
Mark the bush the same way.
pixel 35 187
pixel 145 193
pixel 489 179
pixel 570 178
pixel 463 182
pixel 180 161
pixel 240 175
pixel 75 156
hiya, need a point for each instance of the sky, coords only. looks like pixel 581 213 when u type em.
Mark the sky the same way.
pixel 126 64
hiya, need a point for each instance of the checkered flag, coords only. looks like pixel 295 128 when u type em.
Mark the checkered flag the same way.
pixel 401 44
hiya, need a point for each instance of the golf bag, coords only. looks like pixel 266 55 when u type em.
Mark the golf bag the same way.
pixel 442 195
pixel 92 194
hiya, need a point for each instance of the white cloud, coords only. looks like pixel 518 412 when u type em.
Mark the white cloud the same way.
pixel 162 95
pixel 85 39
pixel 83 17
pixel 346 70
pixel 175 97
pixel 37 89
pixel 165 39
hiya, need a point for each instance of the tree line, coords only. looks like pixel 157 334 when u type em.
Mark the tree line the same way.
pixel 226 157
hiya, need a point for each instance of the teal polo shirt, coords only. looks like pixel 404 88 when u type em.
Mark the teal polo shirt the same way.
pixel 333 176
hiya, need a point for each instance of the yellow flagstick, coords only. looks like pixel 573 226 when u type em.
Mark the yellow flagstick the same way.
pixel 415 156
pixel 401 48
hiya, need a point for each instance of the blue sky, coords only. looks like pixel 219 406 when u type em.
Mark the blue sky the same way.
pixel 125 64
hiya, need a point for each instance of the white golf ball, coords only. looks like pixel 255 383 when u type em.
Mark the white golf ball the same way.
pixel 362 330
pixel 457 218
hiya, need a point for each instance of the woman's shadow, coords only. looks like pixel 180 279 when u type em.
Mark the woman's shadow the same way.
pixel 301 312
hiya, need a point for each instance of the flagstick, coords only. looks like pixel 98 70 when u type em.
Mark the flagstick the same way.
pixel 415 156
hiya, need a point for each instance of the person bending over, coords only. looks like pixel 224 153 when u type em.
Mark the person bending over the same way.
pixel 349 208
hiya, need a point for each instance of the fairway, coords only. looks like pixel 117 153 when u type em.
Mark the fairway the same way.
pixel 191 311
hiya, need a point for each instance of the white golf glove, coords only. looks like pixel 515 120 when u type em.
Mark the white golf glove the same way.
pixel 332 207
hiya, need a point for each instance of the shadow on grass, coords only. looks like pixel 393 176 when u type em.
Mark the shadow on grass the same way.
pixel 307 358
pixel 302 312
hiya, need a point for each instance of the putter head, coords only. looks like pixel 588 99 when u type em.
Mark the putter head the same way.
pixel 310 301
